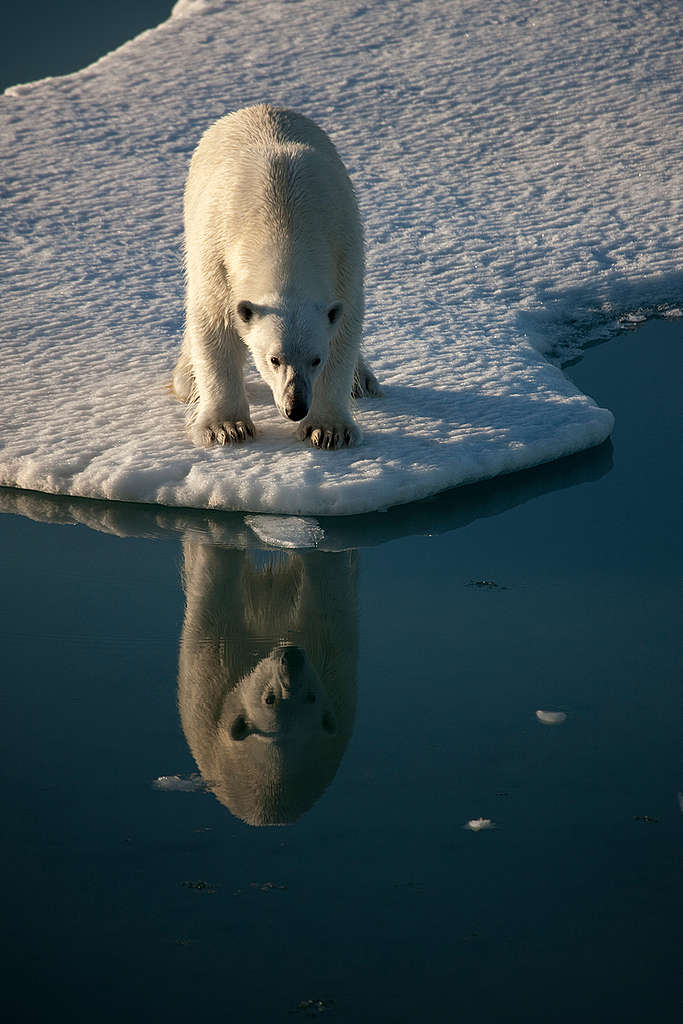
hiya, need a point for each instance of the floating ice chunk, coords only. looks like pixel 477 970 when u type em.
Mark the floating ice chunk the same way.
pixel 479 824
pixel 286 531
pixel 632 320
pixel 551 717
pixel 180 783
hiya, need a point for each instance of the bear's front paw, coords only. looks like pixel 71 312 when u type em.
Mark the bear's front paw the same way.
pixel 205 434
pixel 333 435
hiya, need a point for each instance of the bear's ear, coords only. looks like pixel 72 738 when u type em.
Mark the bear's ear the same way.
pixel 239 730
pixel 334 312
pixel 245 311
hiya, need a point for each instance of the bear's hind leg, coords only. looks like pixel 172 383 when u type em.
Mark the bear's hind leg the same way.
pixel 365 384
pixel 182 384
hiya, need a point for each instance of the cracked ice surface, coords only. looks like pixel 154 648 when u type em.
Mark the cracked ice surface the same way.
pixel 516 170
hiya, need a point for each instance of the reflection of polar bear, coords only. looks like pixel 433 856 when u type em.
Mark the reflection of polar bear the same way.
pixel 274 253
pixel 266 684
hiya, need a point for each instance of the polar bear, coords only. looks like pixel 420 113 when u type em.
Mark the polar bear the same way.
pixel 267 674
pixel 274 264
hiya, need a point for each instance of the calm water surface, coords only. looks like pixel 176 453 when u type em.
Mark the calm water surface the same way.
pixel 56 37
pixel 335 718
pixel 370 701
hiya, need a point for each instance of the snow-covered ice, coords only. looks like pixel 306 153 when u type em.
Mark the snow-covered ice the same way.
pixel 516 166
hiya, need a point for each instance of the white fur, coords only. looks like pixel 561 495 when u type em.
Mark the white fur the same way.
pixel 274 259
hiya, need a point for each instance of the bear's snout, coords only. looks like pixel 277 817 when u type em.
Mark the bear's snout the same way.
pixel 295 405
pixel 296 411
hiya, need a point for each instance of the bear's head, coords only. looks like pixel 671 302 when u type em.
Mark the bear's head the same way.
pixel 290 344
pixel 278 698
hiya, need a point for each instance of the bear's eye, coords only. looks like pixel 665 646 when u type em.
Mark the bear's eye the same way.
pixel 275 361
pixel 316 362
pixel 270 699
pixel 333 313
pixel 244 312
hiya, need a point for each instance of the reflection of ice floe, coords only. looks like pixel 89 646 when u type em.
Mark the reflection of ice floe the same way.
pixel 479 824
pixel 180 783
pixel 286 531
pixel 551 717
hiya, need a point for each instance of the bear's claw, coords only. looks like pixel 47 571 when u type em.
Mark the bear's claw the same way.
pixel 343 435
pixel 228 432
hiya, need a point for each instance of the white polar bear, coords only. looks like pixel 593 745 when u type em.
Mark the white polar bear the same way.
pixel 274 261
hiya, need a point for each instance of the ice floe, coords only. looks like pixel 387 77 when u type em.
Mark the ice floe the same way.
pixel 516 168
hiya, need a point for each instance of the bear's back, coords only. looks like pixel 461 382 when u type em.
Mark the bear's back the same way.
pixel 264 128
pixel 272 163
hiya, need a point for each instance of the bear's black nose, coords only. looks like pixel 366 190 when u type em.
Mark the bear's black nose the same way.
pixel 293 658
pixel 296 410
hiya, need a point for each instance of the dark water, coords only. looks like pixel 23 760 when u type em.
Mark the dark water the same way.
pixel 378 696
pixel 375 899
pixel 56 37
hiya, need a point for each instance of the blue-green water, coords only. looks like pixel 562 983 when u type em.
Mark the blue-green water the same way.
pixel 375 900
pixel 56 37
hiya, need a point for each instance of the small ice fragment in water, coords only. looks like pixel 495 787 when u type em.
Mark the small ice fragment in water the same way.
pixel 312 1007
pixel 179 783
pixel 200 886
pixel 485 585
pixel 268 886
pixel 286 531
pixel 632 320
pixel 551 717
pixel 477 824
